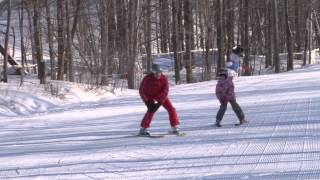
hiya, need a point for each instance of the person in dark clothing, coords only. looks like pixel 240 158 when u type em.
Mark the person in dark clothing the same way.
pixel 225 93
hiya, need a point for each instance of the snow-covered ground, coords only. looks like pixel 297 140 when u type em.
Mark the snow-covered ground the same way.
pixel 48 138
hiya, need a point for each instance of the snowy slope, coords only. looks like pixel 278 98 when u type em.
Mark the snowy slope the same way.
pixel 94 140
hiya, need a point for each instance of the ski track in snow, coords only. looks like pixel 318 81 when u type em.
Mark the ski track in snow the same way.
pixel 95 140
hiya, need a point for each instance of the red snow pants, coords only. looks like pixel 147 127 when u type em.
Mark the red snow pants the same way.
pixel 173 116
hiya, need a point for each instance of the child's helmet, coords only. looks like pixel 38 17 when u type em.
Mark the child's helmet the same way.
pixel 237 50
pixel 223 72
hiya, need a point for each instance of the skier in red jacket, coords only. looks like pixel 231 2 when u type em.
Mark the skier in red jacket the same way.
pixel 154 90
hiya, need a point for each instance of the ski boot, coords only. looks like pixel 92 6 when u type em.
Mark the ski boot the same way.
pixel 175 130
pixel 144 132
pixel 242 121
pixel 218 123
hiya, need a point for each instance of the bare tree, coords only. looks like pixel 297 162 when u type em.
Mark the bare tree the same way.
pixel 147 32
pixel 188 38
pixel 297 26
pixel 246 44
pixel 276 35
pixel 50 42
pixel 164 24
pixel 229 26
pixel 220 35
pixel 6 43
pixel 269 34
pixel 23 51
pixel 13 42
pixel 68 51
pixel 132 32
pixel 175 39
pixel 98 38
pixel 61 39
pixel 37 41
pixel 30 14
pixel 289 38
pixel 122 39
pixel 112 30
pixel 104 40
pixel 207 36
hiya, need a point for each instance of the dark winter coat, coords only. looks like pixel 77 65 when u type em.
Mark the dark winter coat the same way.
pixel 225 90
pixel 152 88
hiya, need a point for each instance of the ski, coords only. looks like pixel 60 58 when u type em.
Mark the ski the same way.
pixel 181 134
pixel 177 134
pixel 151 135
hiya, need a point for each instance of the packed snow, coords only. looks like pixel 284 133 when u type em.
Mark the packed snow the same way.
pixel 83 136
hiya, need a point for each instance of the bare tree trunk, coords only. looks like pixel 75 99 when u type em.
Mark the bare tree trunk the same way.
pixel 61 49
pixel 230 27
pixel 276 36
pixel 306 37
pixel 73 31
pixel 13 41
pixel 23 51
pixel 104 40
pixel 6 43
pixel 201 24
pixel 75 19
pixel 246 37
pixel 175 43
pixel 112 30
pixel 147 33
pixel 30 13
pixel 157 34
pixel 180 26
pixel 220 35
pixel 164 24
pixel 188 34
pixel 122 38
pixel 297 26
pixel 50 43
pixel 69 52
pixel 269 33
pixel 310 32
pixel 289 39
pixel 133 15
pixel 207 38
pixel 316 28
pixel 37 42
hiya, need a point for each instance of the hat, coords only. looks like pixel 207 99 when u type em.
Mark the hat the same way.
pixel 223 72
pixel 155 68
pixel 237 49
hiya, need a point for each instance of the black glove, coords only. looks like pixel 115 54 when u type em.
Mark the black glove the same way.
pixel 152 106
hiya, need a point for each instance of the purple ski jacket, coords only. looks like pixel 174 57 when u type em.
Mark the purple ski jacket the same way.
pixel 225 90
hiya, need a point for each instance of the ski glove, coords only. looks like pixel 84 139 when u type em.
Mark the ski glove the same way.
pixel 153 106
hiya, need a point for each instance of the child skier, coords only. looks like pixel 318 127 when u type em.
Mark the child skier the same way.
pixel 225 93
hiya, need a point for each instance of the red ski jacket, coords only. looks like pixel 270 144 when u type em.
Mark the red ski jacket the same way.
pixel 152 88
